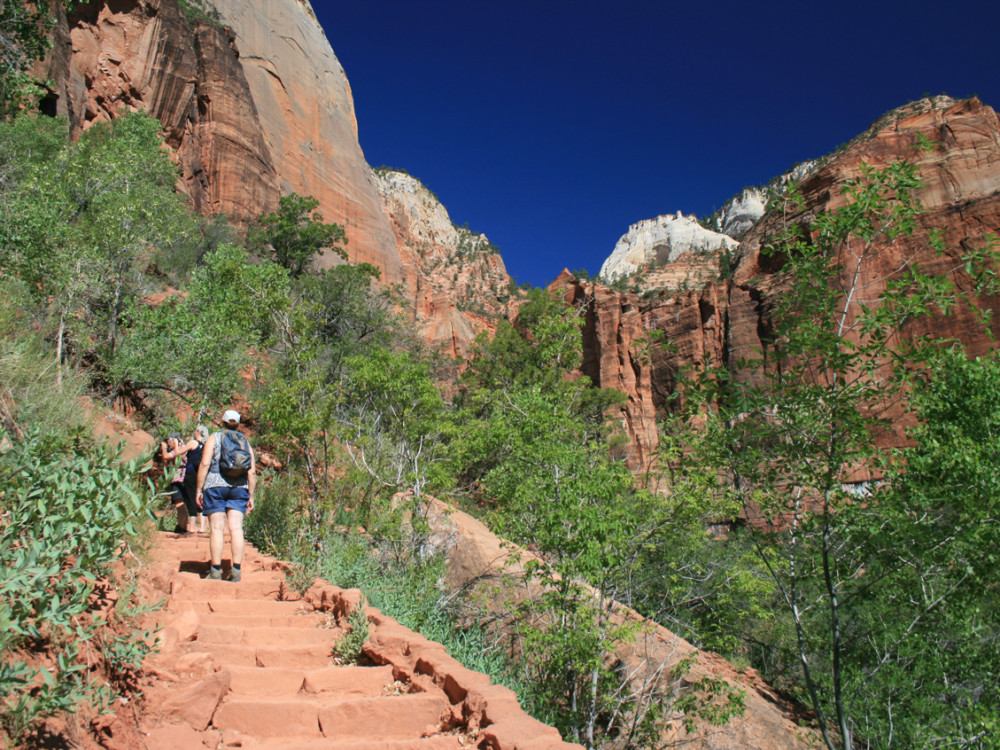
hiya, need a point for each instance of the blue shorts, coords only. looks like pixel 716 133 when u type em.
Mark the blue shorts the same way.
pixel 221 499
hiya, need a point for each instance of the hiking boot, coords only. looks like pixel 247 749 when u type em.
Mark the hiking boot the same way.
pixel 214 575
pixel 235 574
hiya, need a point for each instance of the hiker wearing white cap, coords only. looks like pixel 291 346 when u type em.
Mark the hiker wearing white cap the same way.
pixel 227 477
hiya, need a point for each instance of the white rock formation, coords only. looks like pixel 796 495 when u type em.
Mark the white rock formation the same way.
pixel 742 212
pixel 416 209
pixel 654 242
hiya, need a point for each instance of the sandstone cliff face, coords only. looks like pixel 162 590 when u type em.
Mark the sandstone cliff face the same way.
pixel 260 107
pixel 721 320
pixel 456 278
pixel 145 55
pixel 255 109
pixel 306 112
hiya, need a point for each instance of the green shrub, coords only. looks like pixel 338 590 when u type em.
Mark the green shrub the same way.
pixel 68 512
pixel 271 526
pixel 350 646
pixel 36 388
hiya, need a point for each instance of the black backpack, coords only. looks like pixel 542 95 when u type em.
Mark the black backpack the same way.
pixel 234 455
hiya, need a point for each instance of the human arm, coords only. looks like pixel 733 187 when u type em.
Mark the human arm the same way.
pixel 204 466
pixel 251 479
pixel 174 448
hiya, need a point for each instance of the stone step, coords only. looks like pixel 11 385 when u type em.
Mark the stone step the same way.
pixel 437 742
pixel 249 574
pixel 412 715
pixel 203 589
pixel 349 680
pixel 271 717
pixel 224 654
pixel 315 656
pixel 389 717
pixel 266 607
pixel 285 657
pixel 261 681
pixel 346 680
pixel 315 620
pixel 268 636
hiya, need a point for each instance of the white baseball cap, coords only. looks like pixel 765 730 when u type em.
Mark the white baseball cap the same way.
pixel 231 416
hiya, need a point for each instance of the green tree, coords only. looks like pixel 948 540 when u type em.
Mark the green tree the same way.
pixel 79 223
pixel 25 37
pixel 790 438
pixel 536 446
pixel 543 346
pixel 394 424
pixel 928 642
pixel 331 316
pixel 295 233
pixel 196 346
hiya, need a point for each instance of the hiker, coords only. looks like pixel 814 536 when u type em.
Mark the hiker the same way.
pixel 227 476
pixel 194 449
pixel 170 450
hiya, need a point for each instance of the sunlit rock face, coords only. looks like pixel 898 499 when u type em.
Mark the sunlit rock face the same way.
pixel 740 213
pixel 306 112
pixel 656 242
pixel 255 108
pixel 455 277
pixel 130 55
pixel 258 106
pixel 719 317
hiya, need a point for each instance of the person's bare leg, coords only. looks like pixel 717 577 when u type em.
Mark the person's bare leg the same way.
pixel 202 523
pixel 216 539
pixel 235 522
pixel 182 516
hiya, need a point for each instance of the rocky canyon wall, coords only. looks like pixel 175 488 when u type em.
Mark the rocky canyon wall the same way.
pixel 455 277
pixel 133 55
pixel 255 107
pixel 703 316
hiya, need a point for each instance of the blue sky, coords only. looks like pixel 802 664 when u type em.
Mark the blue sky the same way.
pixel 553 126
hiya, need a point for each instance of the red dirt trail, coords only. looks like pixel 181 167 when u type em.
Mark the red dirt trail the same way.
pixel 250 665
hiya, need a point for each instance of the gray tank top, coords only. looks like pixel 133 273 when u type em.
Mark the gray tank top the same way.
pixel 214 478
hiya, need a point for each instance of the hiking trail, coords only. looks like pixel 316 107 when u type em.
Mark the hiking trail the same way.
pixel 251 665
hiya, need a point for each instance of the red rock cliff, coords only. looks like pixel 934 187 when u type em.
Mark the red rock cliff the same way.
pixel 722 320
pixel 136 55
pixel 255 107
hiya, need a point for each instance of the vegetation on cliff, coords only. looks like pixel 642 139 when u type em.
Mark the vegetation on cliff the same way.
pixel 886 611
pixel 874 610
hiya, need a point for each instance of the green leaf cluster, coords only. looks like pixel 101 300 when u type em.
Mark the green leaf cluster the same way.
pixel 80 224
pixel 68 509
pixel 539 448
pixel 295 233
pixel 25 37
pixel 882 605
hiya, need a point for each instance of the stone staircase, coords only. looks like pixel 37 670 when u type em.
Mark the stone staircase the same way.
pixel 251 665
